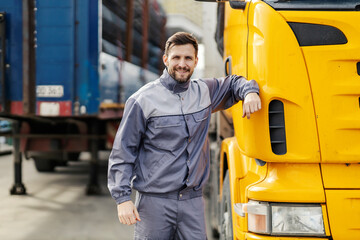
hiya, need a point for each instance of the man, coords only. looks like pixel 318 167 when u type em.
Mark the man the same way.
pixel 161 147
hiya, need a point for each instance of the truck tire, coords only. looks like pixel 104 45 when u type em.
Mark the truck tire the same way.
pixel 226 230
pixel 44 164
pixel 73 156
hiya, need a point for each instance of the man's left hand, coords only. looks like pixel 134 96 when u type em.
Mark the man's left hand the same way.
pixel 251 104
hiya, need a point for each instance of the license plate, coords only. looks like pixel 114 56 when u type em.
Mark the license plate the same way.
pixel 50 91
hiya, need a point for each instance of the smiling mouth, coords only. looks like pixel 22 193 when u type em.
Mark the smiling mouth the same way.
pixel 183 71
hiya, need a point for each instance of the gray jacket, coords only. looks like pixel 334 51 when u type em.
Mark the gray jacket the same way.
pixel 161 144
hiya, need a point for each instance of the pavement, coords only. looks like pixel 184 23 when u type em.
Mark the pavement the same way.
pixel 56 206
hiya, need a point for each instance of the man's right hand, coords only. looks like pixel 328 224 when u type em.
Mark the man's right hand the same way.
pixel 128 213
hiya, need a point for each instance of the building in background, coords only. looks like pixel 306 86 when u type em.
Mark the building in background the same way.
pixel 199 19
pixel 185 15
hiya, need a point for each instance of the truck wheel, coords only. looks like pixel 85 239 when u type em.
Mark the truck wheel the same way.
pixel 44 165
pixel 226 231
pixel 73 156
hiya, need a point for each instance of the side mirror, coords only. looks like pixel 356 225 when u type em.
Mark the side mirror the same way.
pixel 240 4
pixel 237 4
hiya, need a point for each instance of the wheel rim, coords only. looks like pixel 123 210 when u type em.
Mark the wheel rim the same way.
pixel 226 224
pixel 225 228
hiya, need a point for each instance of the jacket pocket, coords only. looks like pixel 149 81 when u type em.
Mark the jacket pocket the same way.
pixel 164 122
pixel 166 133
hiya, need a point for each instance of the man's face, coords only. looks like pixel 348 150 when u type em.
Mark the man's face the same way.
pixel 181 62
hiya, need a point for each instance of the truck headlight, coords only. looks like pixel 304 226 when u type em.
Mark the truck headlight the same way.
pixel 285 219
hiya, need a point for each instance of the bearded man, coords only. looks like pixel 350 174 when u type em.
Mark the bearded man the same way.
pixel 161 148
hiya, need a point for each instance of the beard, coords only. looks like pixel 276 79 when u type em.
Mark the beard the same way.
pixel 180 74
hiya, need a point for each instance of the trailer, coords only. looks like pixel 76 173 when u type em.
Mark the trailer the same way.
pixel 66 70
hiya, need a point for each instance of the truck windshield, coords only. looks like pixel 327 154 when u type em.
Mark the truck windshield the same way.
pixel 333 5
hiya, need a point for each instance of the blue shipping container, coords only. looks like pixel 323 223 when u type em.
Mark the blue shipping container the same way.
pixel 73 75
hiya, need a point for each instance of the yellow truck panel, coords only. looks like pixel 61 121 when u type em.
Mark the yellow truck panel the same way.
pixel 235 29
pixel 337 176
pixel 251 236
pixel 344 213
pixel 305 55
pixel 288 182
pixel 276 62
pixel 335 85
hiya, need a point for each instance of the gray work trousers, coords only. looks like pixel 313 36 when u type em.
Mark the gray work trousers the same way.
pixel 171 216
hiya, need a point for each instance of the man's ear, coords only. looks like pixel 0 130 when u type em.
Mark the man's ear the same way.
pixel 165 60
pixel 196 61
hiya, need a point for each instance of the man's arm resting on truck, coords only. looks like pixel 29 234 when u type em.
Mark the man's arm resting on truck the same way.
pixel 251 104
pixel 225 92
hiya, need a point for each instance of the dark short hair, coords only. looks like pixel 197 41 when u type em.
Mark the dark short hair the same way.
pixel 181 38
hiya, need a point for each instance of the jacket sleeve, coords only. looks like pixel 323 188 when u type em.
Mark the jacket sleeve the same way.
pixel 125 151
pixel 225 92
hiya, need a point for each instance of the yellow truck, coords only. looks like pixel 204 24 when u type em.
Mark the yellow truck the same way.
pixel 292 171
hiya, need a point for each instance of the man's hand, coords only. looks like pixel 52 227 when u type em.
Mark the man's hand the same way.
pixel 128 213
pixel 251 104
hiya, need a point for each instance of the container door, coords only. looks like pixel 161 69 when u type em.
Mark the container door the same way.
pixel 55 54
pixel 11 85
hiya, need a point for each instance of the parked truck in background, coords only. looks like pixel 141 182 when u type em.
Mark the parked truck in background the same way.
pixel 66 69
pixel 292 170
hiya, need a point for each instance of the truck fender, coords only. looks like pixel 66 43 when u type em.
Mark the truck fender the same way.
pixel 231 159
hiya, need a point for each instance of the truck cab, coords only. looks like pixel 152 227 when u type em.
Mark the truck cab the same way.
pixel 292 170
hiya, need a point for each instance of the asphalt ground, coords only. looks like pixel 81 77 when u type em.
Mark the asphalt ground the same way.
pixel 56 206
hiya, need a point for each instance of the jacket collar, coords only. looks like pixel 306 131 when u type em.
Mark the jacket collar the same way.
pixel 173 85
